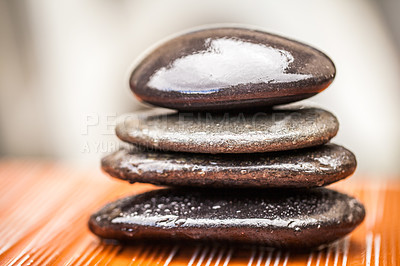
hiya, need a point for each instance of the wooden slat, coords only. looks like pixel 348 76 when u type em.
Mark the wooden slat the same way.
pixel 44 208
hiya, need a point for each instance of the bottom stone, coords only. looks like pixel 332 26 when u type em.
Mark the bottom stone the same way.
pixel 285 218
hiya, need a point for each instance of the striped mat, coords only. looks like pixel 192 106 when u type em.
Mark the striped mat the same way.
pixel 44 208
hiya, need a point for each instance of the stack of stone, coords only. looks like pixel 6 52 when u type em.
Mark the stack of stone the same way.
pixel 240 168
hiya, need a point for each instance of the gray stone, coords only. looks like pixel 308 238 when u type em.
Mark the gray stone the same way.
pixel 316 166
pixel 270 130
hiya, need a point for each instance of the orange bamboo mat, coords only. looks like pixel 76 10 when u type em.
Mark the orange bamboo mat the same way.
pixel 44 208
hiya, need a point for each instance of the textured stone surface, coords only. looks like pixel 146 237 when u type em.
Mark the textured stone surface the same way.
pixel 294 219
pixel 226 68
pixel 317 166
pixel 281 129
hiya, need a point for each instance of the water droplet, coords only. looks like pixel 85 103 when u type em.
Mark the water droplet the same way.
pixel 180 222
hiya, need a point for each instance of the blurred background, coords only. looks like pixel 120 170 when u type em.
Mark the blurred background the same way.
pixel 63 68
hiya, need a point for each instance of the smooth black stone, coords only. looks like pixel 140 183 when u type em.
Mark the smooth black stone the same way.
pixel 278 129
pixel 284 218
pixel 230 68
pixel 317 166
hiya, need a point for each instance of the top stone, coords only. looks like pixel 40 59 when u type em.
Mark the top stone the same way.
pixel 230 68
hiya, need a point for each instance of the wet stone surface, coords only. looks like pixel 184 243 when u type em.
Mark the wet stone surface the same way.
pixel 243 169
pixel 264 131
pixel 230 68
pixel 316 166
pixel 284 218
